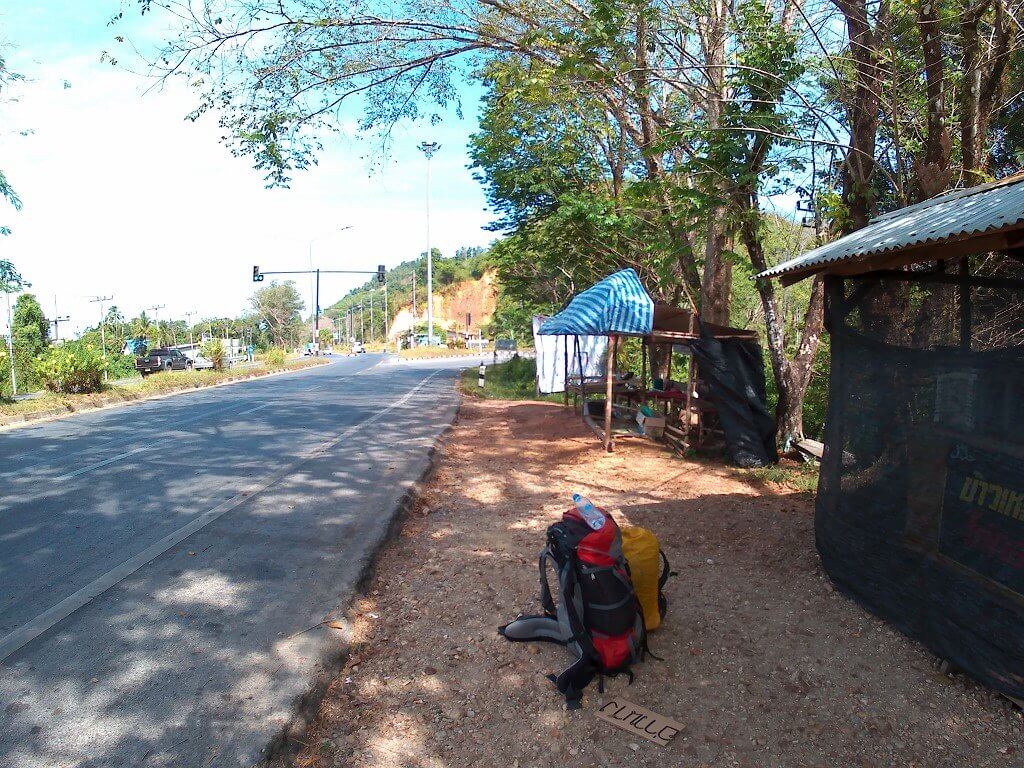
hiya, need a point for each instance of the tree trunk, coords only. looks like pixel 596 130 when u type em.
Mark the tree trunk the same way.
pixel 932 171
pixel 792 376
pixel 862 110
pixel 981 82
pixel 716 281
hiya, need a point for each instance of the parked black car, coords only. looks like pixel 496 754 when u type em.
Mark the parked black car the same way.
pixel 162 360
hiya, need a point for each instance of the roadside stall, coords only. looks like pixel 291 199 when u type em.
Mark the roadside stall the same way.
pixel 724 389
pixel 920 508
pixel 614 307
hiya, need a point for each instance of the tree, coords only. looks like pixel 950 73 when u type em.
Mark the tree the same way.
pixel 11 281
pixel 7 192
pixel 280 306
pixel 31 329
pixel 640 133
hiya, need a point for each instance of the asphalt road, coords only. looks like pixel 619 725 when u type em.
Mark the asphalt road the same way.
pixel 167 568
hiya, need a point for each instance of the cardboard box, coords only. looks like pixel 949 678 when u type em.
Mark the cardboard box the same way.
pixel 652 426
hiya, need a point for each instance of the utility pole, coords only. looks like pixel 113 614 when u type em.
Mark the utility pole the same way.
pixel 316 310
pixel 101 300
pixel 156 313
pixel 57 320
pixel 429 148
pixel 188 319
pixel 385 312
pixel 371 316
pixel 10 346
pixel 414 305
pixel 362 326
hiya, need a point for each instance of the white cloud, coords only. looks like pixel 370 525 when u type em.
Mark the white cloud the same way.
pixel 123 196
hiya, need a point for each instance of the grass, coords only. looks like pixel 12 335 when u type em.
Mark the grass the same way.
pixel 137 389
pixel 514 379
pixel 803 478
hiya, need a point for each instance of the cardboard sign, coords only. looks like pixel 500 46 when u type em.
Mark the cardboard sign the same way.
pixel 639 721
pixel 982 524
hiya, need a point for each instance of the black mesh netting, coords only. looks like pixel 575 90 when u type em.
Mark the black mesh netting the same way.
pixel 920 515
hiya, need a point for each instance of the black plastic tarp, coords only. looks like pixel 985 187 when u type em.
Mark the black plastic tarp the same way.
pixel 733 370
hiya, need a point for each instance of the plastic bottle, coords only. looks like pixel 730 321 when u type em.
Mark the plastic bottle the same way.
pixel 593 516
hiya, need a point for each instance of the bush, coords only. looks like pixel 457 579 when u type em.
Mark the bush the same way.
pixel 275 356
pixel 213 350
pixel 121 366
pixel 74 367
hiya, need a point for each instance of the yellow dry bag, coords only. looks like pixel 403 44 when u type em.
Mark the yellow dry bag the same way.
pixel 648 568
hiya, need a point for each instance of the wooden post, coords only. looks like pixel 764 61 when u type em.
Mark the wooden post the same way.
pixel 565 370
pixel 689 388
pixel 582 390
pixel 643 368
pixel 609 443
pixel 965 304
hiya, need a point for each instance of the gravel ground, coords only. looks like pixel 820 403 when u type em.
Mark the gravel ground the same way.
pixel 764 663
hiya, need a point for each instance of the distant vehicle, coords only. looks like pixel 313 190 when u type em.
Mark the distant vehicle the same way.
pixel 358 348
pixel 421 341
pixel 504 349
pixel 201 363
pixel 311 349
pixel 162 359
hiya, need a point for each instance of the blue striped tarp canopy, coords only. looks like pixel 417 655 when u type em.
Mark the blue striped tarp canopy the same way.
pixel 618 305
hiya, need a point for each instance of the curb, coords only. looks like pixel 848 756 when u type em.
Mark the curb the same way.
pixel 288 742
pixel 14 422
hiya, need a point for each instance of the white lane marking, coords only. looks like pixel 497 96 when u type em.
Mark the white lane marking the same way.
pixel 29 631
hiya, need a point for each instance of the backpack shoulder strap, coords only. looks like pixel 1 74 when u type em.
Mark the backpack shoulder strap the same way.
pixel 665 570
pixel 545 590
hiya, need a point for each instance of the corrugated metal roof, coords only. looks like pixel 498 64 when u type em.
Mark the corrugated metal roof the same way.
pixel 952 216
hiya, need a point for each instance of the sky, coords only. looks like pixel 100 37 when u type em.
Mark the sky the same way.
pixel 123 197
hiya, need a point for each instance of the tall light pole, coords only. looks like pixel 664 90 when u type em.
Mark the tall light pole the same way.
pixel 429 148
pixel 188 319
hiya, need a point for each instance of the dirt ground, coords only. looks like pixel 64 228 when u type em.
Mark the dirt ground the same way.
pixel 764 664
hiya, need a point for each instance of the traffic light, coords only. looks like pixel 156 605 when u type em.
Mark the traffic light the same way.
pixel 380 273
pixel 256 276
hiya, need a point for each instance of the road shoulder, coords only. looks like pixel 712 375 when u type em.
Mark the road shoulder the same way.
pixel 760 659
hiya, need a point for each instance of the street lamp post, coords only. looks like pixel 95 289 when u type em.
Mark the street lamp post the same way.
pixel 429 148
pixel 188 319
pixel 371 316
pixel 362 327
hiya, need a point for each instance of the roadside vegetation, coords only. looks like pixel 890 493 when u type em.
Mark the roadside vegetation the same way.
pixel 53 402
pixel 514 379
